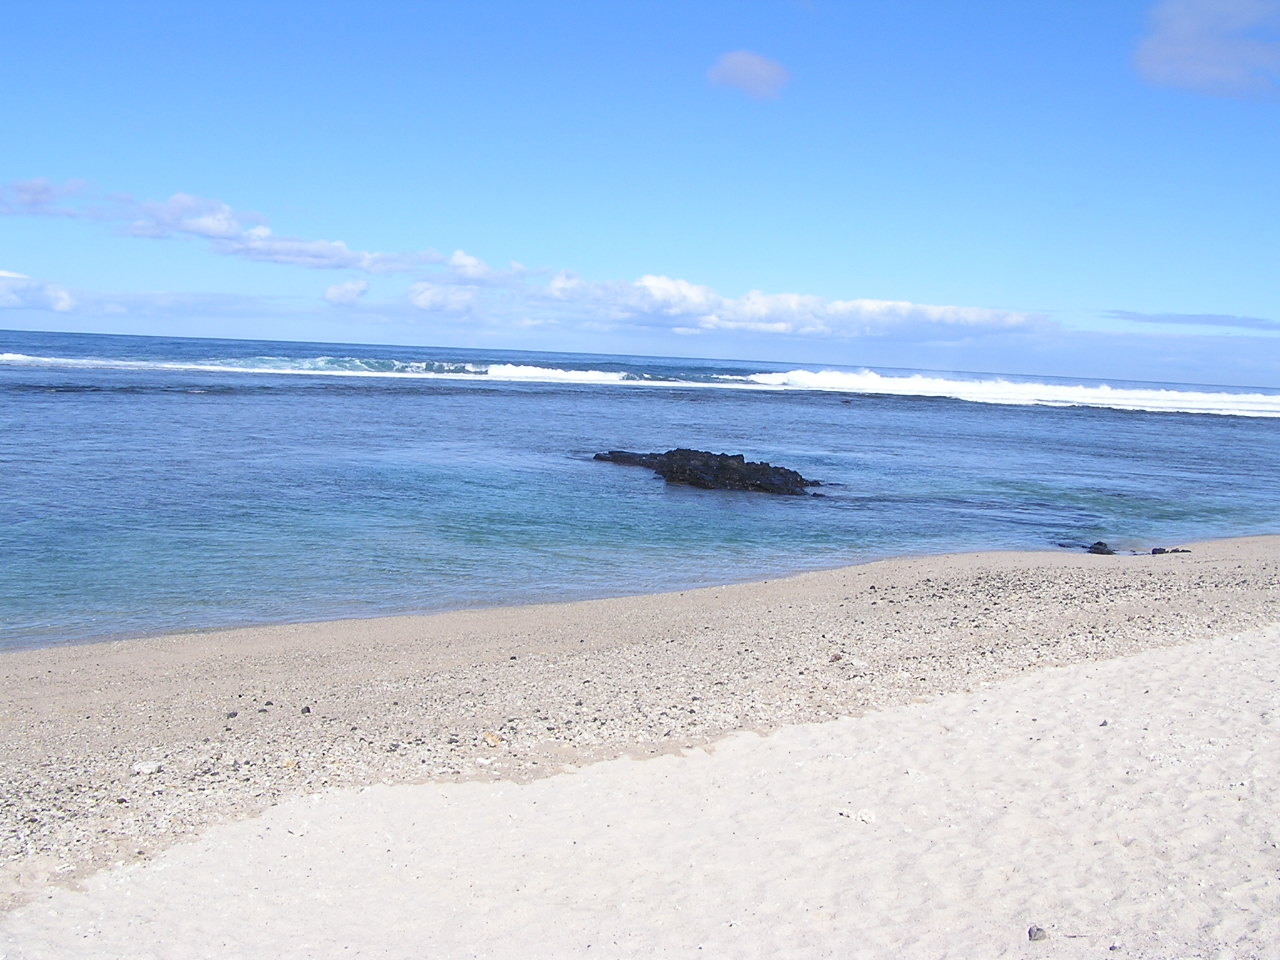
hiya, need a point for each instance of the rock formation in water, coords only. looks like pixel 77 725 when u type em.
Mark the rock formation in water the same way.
pixel 714 471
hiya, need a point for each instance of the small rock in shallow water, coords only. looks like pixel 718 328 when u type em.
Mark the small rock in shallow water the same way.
pixel 1101 549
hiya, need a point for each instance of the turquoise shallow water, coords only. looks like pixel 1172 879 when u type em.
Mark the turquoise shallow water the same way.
pixel 155 484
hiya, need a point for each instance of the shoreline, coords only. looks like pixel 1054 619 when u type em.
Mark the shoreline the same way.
pixel 129 636
pixel 120 749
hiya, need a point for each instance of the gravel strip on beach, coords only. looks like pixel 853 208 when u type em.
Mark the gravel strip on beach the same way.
pixel 110 752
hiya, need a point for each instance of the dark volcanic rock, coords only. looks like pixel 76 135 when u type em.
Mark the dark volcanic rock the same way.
pixel 714 471
pixel 1101 549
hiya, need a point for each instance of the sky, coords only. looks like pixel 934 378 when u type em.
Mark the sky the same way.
pixel 1066 187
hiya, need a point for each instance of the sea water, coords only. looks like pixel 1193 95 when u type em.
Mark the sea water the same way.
pixel 159 484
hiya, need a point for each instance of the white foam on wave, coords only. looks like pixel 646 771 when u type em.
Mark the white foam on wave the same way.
pixel 512 371
pixel 1027 393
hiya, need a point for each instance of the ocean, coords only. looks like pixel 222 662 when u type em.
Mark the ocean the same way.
pixel 153 485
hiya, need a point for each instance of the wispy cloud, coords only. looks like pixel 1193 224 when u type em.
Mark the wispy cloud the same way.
pixel 691 308
pixel 1198 320
pixel 345 294
pixel 259 243
pixel 229 232
pixel 38 197
pixel 1219 47
pixel 758 77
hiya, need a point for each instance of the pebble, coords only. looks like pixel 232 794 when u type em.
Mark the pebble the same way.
pixel 1036 933
pixel 147 768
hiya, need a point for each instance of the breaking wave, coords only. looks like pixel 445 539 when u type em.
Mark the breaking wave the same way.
pixel 1024 393
pixel 690 374
pixel 333 367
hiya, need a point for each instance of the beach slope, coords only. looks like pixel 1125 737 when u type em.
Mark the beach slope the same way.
pixel 946 752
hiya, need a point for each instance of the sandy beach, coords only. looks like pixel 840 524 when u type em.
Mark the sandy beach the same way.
pixel 922 757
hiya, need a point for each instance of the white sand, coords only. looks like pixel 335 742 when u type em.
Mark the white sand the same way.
pixel 938 829
pixel 967 790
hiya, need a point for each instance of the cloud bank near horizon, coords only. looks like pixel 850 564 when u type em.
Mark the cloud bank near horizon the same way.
pixel 462 287
pixel 689 309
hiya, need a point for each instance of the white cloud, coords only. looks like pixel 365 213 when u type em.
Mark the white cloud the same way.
pixel 1218 47
pixel 438 298
pixel 676 298
pixel 184 213
pixel 18 290
pixel 756 76
pixel 468 267
pixel 688 308
pixel 345 294
pixel 564 285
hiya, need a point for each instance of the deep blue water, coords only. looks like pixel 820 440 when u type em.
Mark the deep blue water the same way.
pixel 156 484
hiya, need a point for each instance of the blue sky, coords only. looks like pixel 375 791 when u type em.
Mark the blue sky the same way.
pixel 1068 187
